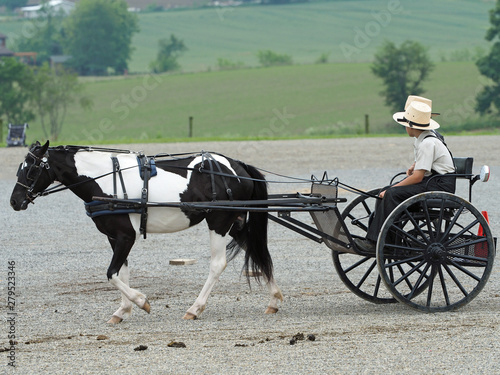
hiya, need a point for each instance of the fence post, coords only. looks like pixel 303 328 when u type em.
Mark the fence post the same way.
pixel 367 125
pixel 190 126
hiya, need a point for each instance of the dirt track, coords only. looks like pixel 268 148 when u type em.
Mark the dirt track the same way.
pixel 63 299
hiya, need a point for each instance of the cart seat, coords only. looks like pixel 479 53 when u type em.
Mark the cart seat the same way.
pixel 463 169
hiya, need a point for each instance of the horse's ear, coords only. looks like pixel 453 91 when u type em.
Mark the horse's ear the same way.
pixel 44 148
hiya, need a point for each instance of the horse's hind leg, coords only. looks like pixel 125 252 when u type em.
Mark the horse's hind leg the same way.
pixel 276 296
pixel 217 265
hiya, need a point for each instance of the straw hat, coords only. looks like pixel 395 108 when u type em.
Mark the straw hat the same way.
pixel 417 114
pixel 414 98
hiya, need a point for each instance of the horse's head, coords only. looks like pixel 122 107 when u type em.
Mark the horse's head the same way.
pixel 33 176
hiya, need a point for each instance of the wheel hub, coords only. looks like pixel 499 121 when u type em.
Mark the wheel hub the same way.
pixel 436 253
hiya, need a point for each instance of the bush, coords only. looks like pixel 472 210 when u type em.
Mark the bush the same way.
pixel 270 58
pixel 463 54
pixel 164 64
pixel 323 58
pixel 225 64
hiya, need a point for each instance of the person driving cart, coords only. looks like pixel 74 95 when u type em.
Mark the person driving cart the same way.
pixel 432 157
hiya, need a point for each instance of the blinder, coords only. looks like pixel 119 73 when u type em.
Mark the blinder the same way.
pixel 33 173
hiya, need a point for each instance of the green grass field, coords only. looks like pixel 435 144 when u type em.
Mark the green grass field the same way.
pixel 305 31
pixel 349 30
pixel 293 101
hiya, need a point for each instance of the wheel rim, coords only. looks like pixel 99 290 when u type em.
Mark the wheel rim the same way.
pixel 431 240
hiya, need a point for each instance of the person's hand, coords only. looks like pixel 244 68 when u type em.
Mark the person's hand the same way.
pixel 381 194
pixel 410 170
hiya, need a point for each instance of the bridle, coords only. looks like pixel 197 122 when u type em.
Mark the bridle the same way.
pixel 33 173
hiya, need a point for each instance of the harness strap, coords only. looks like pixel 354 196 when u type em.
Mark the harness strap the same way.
pixel 117 170
pixel 145 167
pixel 210 159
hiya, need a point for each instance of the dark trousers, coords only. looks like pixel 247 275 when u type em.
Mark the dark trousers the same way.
pixel 397 194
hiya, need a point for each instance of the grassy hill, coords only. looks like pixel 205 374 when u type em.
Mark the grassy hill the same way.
pixel 347 30
pixel 292 101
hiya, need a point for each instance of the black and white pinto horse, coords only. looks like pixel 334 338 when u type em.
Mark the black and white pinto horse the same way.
pixel 87 172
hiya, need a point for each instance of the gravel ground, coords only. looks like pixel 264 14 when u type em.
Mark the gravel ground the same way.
pixel 63 300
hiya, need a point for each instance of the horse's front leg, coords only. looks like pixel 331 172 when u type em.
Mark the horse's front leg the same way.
pixel 217 265
pixel 125 309
pixel 119 280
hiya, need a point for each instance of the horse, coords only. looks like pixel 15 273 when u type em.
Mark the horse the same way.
pixel 100 173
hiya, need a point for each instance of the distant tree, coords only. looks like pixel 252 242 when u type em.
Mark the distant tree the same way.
pixel 403 71
pixel 53 89
pixel 98 36
pixel 169 50
pixel 270 58
pixel 489 97
pixel 15 86
pixel 45 39
pixel 13 4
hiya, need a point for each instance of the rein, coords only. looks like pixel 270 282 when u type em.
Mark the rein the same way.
pixel 57 188
pixel 201 169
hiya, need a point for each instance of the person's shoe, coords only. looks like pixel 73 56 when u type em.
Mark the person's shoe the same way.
pixel 368 246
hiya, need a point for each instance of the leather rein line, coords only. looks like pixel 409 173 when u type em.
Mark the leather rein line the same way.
pixel 58 188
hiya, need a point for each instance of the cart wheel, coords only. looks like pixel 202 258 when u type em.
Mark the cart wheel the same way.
pixel 431 240
pixel 360 273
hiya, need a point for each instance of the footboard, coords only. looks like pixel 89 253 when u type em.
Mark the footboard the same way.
pixel 330 222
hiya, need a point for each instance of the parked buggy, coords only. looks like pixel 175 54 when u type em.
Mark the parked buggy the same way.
pixel 16 136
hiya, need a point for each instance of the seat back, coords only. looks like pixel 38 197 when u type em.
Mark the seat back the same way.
pixel 463 166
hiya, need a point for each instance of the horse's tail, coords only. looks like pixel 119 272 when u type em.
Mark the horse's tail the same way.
pixel 252 235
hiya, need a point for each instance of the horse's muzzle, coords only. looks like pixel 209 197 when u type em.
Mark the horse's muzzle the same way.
pixel 19 206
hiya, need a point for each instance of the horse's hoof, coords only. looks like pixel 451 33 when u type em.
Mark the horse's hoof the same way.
pixel 115 320
pixel 271 310
pixel 146 307
pixel 189 316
